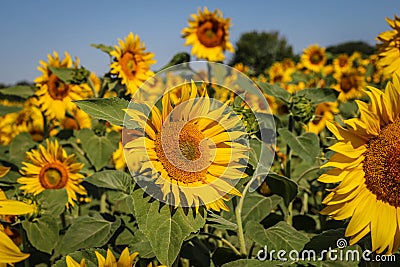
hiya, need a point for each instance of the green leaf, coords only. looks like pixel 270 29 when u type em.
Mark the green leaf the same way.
pixel 219 222
pixel 165 231
pixel 282 186
pixel 42 233
pixel 105 48
pixel 99 149
pixel 52 202
pixel 275 91
pixel 305 146
pixel 325 240
pixel 87 232
pixel 19 146
pixel 64 74
pixel 319 95
pixel 109 109
pixel 111 179
pixel 281 236
pixel 88 254
pixel 8 109
pixel 256 207
pixel 22 91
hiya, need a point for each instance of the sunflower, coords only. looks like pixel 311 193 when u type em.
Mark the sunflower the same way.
pixel 9 251
pixel 51 168
pixel 323 113
pixel 55 96
pixel 366 165
pixel 350 84
pixel 209 34
pixel 125 259
pixel 132 63
pixel 389 48
pixel 342 63
pixel 190 152
pixel 313 58
pixel 76 119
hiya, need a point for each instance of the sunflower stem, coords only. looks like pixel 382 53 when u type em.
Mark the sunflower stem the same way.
pixel 24 244
pixel 289 218
pixel 238 213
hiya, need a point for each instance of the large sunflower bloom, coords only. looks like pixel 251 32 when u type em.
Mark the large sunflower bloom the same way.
pixel 192 150
pixel 51 168
pixel 313 58
pixel 55 96
pixel 132 63
pixel 389 49
pixel 366 165
pixel 208 33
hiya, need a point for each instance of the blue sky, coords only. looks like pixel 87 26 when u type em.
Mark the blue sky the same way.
pixel 32 29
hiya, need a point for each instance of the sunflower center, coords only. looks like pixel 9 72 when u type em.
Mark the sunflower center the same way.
pixel 129 64
pixel 211 33
pixel 382 164
pixel 70 123
pixel 53 176
pixel 58 90
pixel 316 58
pixel 343 61
pixel 186 159
pixel 348 82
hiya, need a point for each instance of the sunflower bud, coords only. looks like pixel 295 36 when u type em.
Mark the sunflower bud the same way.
pixel 302 109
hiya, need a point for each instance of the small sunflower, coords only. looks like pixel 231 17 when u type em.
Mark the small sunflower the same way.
pixel 125 260
pixel 313 58
pixel 55 96
pixel 366 165
pixel 350 84
pixel 342 63
pixel 323 113
pixel 193 152
pixel 208 32
pixel 389 48
pixel 51 168
pixel 132 63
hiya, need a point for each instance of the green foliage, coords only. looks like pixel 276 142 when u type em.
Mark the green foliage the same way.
pixel 282 236
pixel 166 228
pixel 259 50
pixel 99 149
pixel 42 232
pixel 94 231
pixel 19 91
pixel 109 109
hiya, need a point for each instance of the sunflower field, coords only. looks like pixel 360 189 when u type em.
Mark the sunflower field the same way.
pixel 204 164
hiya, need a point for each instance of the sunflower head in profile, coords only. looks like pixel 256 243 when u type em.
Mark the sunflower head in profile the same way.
pixel 323 112
pixel 132 63
pixel 55 96
pixel 192 151
pixel 51 168
pixel 313 58
pixel 350 84
pixel 389 48
pixel 367 166
pixel 208 33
